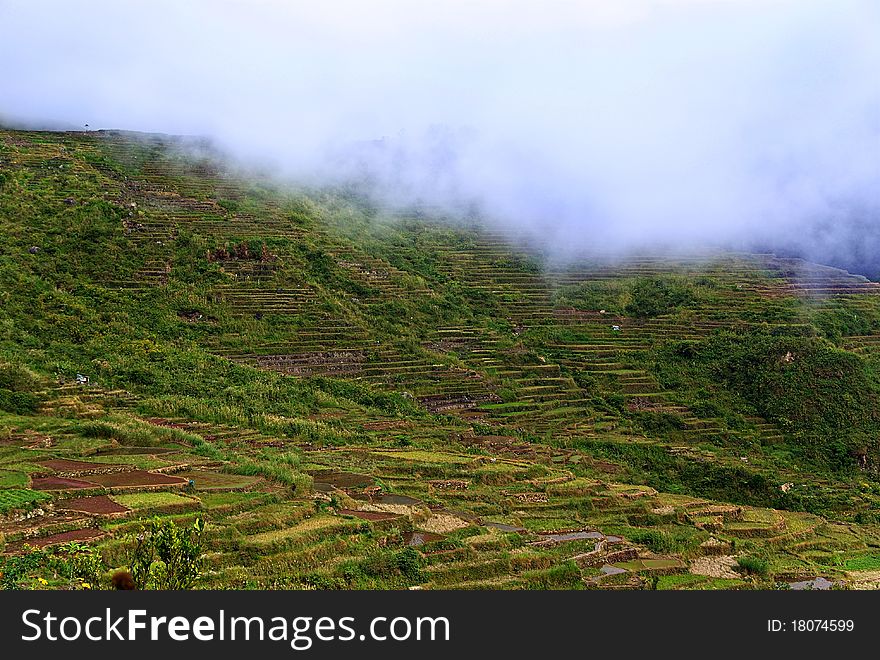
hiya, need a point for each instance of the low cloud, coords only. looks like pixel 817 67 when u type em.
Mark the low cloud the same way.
pixel 593 125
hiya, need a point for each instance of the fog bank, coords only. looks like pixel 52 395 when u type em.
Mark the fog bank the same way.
pixel 595 125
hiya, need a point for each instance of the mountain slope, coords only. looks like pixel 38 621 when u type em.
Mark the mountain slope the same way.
pixel 372 399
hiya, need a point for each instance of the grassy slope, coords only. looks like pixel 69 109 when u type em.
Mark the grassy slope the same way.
pixel 285 332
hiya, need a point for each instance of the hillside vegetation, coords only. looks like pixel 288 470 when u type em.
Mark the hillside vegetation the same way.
pixel 352 397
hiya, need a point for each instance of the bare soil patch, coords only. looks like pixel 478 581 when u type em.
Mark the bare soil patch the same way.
pixel 98 504
pixel 413 539
pixel 330 479
pixel 205 480
pixel 59 483
pixel 86 534
pixel 135 478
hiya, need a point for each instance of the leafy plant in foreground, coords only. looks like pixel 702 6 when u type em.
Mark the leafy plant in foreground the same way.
pixel 168 556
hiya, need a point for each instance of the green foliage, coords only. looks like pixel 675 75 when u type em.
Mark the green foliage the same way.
pixel 276 467
pixel 798 381
pixel 667 472
pixel 9 479
pixel 16 568
pixel 653 297
pixel 838 321
pixel 565 575
pixel 79 566
pixel 184 328
pixel 406 564
pixel 20 403
pixel 130 431
pixel 18 378
pixel 864 563
pixel 20 498
pixel 585 380
pixel 167 556
pixel 754 564
pixel 17 386
pixel 655 540
pixel 151 500
pixel 825 397
pixel 609 295
pixel 658 422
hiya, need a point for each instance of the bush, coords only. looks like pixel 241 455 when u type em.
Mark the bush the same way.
pixel 79 564
pixel 655 540
pixel 867 518
pixel 754 565
pixel 18 378
pixel 17 384
pixel 658 422
pixel 74 562
pixel 706 408
pixel 653 297
pixel 166 556
pixel 506 394
pixel 585 380
pixel 566 575
pixel 838 322
pixel 275 470
pixel 16 568
pixel 406 563
pixel 19 403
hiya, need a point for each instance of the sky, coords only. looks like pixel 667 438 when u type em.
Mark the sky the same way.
pixel 592 124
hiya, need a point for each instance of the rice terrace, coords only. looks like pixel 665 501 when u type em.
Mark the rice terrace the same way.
pixel 346 397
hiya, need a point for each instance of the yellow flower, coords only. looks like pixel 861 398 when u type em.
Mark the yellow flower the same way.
pixel 86 585
pixel 42 581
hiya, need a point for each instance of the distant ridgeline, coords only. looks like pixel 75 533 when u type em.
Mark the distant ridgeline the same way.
pixel 354 398
pixel 855 248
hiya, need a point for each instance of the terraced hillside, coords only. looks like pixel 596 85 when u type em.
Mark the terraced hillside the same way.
pixel 358 398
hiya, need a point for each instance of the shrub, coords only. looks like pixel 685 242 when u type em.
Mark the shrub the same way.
pixel 655 540
pixel 19 403
pixel 16 568
pixel 506 394
pixel 566 575
pixel 406 563
pixel 824 398
pixel 585 380
pixel 79 564
pixel 167 556
pixel 18 378
pixel 658 422
pixel 654 296
pixel 753 564
pixel 838 322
